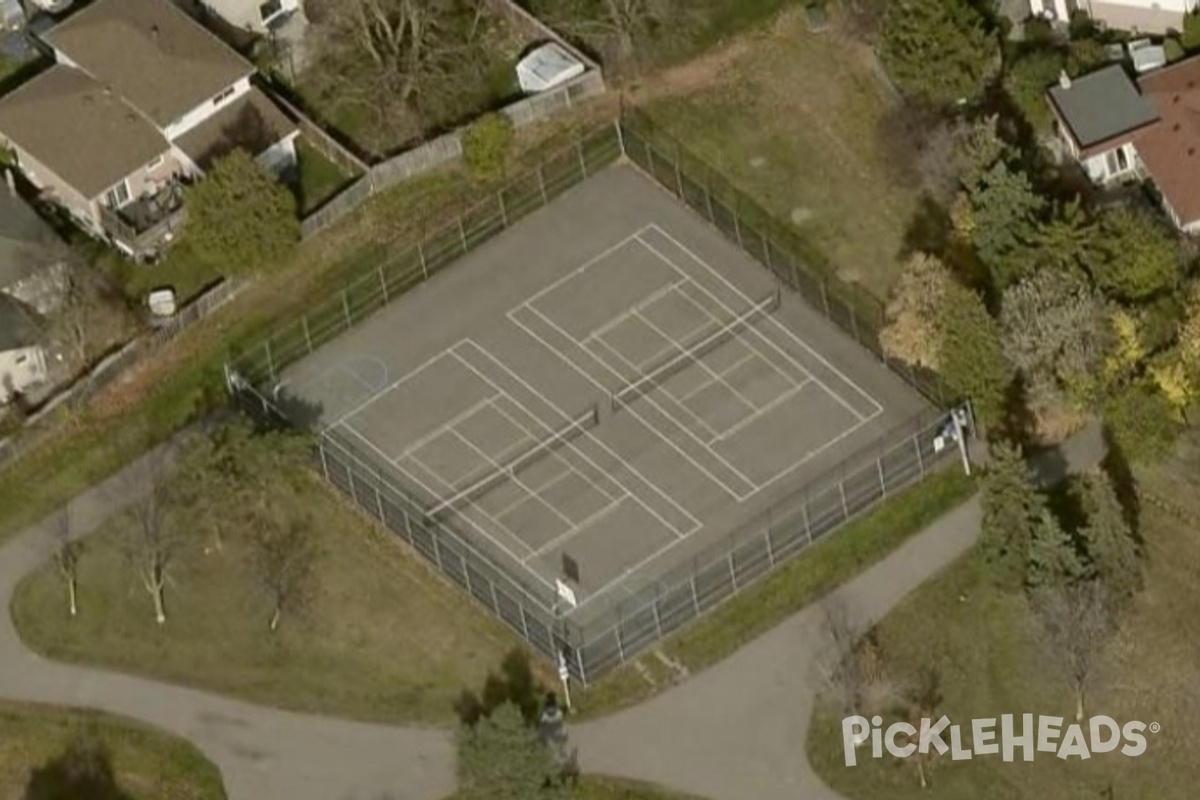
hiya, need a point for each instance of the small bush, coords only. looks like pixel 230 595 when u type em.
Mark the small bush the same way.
pixel 486 145
pixel 1191 32
pixel 1142 423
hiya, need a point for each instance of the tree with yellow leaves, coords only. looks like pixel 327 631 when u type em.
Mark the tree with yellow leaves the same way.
pixel 1189 333
pixel 1127 351
pixel 1172 380
pixel 910 331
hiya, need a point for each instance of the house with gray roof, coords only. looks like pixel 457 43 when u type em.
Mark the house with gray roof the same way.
pixel 139 99
pixel 1120 128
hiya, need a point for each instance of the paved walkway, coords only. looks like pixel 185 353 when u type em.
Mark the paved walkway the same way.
pixel 733 732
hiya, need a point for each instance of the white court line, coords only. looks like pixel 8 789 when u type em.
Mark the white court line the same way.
pixel 534 493
pixel 637 415
pixel 696 524
pixel 446 426
pixel 745 421
pixel 758 333
pixel 746 340
pixel 677 349
pixel 615 321
pixel 862 392
pixel 703 365
pixel 624 576
pixel 372 385
pixel 603 254
pixel 532 438
pixel 557 540
pixel 420 368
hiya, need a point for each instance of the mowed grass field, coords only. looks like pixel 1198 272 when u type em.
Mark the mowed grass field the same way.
pixel 382 638
pixel 791 117
pixel 983 643
pixel 147 764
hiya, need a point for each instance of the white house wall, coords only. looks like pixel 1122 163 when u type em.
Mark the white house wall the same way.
pixel 205 110
pixel 244 13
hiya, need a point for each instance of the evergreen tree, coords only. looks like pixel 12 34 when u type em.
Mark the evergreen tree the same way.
pixel 1053 559
pixel 971 354
pixel 1113 556
pixel 1137 256
pixel 503 758
pixel 937 50
pixel 1005 215
pixel 1011 505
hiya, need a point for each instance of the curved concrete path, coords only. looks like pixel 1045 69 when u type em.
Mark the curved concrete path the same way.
pixel 736 731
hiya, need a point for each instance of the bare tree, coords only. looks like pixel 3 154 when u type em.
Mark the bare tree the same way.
pixel 618 30
pixel 839 666
pixel 923 699
pixel 1076 620
pixel 155 542
pixel 283 560
pixel 66 550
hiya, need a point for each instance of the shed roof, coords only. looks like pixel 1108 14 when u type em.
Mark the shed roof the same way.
pixel 89 136
pixel 1102 105
pixel 252 122
pixel 151 52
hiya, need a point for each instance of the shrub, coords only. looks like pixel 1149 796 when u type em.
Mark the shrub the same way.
pixel 1142 423
pixel 1190 39
pixel 486 145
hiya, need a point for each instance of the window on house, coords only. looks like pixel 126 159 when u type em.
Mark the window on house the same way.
pixel 1122 159
pixel 223 96
pixel 118 195
pixel 1110 162
pixel 269 9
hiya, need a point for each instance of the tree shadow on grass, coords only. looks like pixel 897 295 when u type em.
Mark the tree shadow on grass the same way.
pixel 83 771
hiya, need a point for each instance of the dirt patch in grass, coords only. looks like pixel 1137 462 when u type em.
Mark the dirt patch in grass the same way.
pixel 147 763
pixel 984 644
pixel 383 638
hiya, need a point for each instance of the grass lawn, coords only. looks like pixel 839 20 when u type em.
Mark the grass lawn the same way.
pixel 383 638
pixel 982 642
pixel 801 582
pixel 8 66
pixel 320 178
pixel 791 119
pixel 147 764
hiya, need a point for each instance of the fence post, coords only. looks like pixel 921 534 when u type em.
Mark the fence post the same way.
pixel 770 550
pixel 379 505
pixel 766 243
pixel 708 200
pixel 542 183
pixel 825 300
pixel 346 307
pixel 882 481
pixel 270 360
pixel 462 234
pixel 678 174
pixel 842 491
pixel 383 285
pixel 324 462
pixel 353 490
pixel 854 324
pixel 307 335
pixel 521 612
pixel 495 602
pixel 620 135
pixel 620 644
pixel 695 597
pixel 582 161
pixel 437 552
pixel 795 271
pixel 657 618
pixel 503 210
pixel 737 227
pixel 807 526
pixel 421 255
pixel 920 460
pixel 732 573
pixel 466 576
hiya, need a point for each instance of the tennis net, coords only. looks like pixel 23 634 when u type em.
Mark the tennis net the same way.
pixel 503 472
pixel 691 353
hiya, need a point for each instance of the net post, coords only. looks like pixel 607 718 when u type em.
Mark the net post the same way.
pixel 307 334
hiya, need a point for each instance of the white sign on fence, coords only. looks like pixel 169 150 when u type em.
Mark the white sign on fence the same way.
pixel 566 592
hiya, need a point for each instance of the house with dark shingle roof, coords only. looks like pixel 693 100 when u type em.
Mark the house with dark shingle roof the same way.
pixel 1119 128
pixel 140 97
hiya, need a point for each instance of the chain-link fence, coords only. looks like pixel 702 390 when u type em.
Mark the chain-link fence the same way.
pixel 773 244
pixel 811 512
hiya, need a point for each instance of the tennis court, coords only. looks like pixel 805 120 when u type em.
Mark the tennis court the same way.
pixel 601 391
